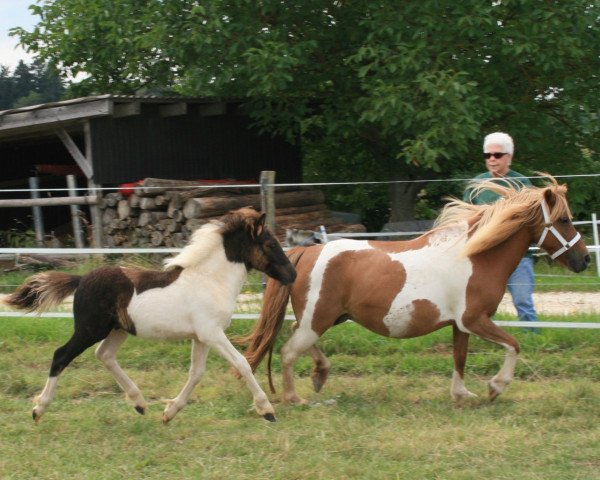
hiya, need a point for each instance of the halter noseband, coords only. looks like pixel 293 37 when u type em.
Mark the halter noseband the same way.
pixel 550 228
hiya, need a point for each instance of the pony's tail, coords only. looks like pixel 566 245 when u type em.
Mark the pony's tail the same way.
pixel 43 291
pixel 262 338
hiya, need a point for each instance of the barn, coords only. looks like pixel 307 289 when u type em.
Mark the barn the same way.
pixel 108 140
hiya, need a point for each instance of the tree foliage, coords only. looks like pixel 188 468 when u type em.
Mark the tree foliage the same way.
pixel 373 90
pixel 29 84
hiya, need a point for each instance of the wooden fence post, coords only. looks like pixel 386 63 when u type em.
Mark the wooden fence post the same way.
pixel 267 197
pixel 267 202
pixel 38 219
pixel 96 216
pixel 75 219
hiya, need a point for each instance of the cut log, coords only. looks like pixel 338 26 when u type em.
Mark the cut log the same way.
pixel 147 218
pixel 176 201
pixel 123 209
pixel 134 200
pixel 215 206
pixel 217 191
pixel 300 209
pixel 195 223
pixel 300 219
pixel 157 186
pixel 177 215
pixel 142 232
pixel 111 199
pixel 173 226
pixel 156 239
pixel 162 200
pixel 148 203
pixel 114 223
pixel 108 214
pixel 178 240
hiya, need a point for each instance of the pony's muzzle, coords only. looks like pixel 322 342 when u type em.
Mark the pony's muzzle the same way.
pixel 583 264
pixel 578 263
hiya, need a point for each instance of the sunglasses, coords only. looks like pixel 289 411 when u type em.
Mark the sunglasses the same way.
pixel 495 155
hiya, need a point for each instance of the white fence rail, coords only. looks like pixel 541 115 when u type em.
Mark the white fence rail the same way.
pixel 7 252
pixel 254 316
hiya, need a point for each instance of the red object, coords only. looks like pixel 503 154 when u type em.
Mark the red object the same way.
pixel 127 189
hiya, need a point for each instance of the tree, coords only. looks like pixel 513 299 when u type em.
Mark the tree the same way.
pixel 31 84
pixel 23 80
pixel 6 88
pixel 374 90
pixel 47 83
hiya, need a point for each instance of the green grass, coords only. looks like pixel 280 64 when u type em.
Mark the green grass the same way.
pixel 554 277
pixel 384 413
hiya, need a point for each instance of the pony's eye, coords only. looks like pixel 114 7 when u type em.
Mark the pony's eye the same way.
pixel 564 220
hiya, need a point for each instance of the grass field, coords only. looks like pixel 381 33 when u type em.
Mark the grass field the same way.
pixel 384 413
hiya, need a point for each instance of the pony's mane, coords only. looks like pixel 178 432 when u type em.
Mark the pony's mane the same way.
pixel 209 238
pixel 491 224
pixel 203 243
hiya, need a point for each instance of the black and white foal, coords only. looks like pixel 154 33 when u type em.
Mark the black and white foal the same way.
pixel 194 297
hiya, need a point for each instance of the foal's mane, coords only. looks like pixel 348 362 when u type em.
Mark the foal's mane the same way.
pixel 491 224
pixel 209 238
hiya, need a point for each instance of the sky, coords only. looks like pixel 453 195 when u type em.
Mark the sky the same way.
pixel 14 13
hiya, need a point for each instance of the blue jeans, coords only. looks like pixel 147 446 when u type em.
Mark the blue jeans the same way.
pixel 520 286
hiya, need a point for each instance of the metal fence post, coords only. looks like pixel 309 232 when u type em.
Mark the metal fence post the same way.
pixel 595 234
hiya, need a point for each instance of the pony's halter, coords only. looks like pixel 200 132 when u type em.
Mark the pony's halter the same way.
pixel 550 228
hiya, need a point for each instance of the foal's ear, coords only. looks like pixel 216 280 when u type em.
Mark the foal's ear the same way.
pixel 550 197
pixel 259 225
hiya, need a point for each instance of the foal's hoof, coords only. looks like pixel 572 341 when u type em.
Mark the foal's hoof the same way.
pixel 35 416
pixel 493 393
pixel 166 419
pixel 140 410
pixel 270 417
pixel 317 384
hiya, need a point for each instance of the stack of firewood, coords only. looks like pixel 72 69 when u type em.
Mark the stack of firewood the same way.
pixel 164 212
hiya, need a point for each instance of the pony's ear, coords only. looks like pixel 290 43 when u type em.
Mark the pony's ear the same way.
pixel 550 197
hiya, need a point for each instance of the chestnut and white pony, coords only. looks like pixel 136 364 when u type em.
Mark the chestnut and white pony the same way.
pixel 193 298
pixel 454 275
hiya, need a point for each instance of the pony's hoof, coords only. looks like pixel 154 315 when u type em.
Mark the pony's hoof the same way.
pixel 270 417
pixel 165 419
pixel 140 410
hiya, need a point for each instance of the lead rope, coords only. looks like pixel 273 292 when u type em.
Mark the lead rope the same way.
pixel 550 228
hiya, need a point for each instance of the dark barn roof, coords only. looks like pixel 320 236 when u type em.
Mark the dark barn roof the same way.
pixel 117 139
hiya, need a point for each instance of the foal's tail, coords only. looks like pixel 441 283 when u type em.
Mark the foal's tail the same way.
pixel 43 291
pixel 275 300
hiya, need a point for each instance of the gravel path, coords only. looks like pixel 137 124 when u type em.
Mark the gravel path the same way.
pixel 558 303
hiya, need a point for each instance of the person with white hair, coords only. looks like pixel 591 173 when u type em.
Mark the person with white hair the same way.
pixel 498 150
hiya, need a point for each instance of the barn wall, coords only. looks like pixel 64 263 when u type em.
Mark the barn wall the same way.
pixel 187 147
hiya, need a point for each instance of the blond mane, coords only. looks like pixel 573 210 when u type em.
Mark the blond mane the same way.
pixel 209 237
pixel 492 224
pixel 203 243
